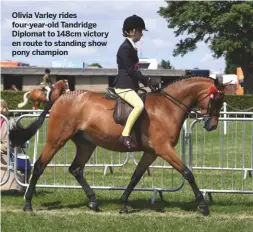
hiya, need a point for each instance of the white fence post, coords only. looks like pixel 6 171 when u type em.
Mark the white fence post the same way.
pixel 225 116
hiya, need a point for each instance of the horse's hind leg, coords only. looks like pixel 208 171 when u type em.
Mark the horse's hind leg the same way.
pixel 56 139
pixel 168 153
pixel 39 166
pixel 84 150
pixel 146 160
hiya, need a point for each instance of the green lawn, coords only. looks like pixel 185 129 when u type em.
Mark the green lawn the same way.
pixel 65 210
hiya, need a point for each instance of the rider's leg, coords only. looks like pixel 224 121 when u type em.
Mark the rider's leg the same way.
pixel 48 91
pixel 132 98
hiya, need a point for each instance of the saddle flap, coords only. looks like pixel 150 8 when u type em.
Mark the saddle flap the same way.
pixel 123 109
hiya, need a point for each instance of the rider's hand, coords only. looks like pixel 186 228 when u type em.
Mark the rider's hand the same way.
pixel 153 85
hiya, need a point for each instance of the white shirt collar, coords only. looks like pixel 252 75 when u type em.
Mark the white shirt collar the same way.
pixel 132 42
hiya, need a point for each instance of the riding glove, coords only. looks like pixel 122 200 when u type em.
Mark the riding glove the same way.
pixel 153 85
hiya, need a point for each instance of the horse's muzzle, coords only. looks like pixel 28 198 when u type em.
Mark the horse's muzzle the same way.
pixel 208 124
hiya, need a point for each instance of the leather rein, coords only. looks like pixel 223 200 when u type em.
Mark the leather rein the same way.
pixel 180 104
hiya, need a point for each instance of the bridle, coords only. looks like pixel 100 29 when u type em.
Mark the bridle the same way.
pixel 213 91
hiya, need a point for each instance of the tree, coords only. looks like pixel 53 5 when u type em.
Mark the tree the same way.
pixel 230 67
pixel 166 64
pixel 226 26
pixel 96 65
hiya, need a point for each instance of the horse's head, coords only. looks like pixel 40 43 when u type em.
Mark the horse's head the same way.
pixel 211 103
pixel 62 85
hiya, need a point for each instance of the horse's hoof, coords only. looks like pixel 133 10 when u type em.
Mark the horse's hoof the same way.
pixel 94 206
pixel 203 208
pixel 123 210
pixel 28 208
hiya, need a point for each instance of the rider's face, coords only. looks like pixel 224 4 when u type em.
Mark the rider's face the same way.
pixel 136 34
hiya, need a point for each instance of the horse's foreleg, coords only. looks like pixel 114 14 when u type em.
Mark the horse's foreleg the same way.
pixel 39 166
pixel 146 160
pixel 83 154
pixel 168 153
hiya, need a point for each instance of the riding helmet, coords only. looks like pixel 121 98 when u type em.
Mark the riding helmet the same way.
pixel 47 70
pixel 133 22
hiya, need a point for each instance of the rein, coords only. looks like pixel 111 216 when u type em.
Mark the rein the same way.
pixel 212 91
pixel 180 104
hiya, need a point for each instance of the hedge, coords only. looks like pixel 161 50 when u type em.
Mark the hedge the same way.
pixel 242 102
pixel 239 102
pixel 13 98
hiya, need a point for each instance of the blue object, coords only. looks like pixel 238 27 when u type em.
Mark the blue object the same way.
pixel 68 64
pixel 23 162
pixel 197 72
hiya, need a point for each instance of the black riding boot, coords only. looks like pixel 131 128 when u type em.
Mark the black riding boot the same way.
pixel 127 141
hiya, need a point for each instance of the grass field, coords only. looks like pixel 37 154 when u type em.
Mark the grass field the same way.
pixel 66 210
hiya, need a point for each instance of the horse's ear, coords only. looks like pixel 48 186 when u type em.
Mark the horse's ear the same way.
pixel 219 85
pixel 216 82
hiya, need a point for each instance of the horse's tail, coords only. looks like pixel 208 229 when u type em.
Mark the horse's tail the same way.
pixel 19 135
pixel 20 105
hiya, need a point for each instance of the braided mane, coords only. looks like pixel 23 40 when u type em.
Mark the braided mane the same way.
pixel 187 77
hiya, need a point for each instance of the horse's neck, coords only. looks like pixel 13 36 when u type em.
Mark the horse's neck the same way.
pixel 186 92
pixel 56 88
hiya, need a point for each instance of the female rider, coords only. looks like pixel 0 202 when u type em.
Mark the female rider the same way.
pixel 126 82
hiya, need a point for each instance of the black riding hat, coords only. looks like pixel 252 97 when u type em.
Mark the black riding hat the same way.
pixel 47 70
pixel 133 22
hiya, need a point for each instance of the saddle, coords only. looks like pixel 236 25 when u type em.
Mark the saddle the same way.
pixel 122 109
pixel 44 90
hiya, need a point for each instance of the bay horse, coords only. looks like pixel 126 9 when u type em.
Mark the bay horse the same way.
pixel 89 123
pixel 38 95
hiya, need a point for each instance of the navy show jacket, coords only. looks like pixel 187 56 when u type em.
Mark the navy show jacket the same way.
pixel 128 68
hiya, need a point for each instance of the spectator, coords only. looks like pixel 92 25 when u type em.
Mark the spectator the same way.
pixel 11 184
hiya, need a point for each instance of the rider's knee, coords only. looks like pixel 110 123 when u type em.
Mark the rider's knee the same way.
pixel 140 107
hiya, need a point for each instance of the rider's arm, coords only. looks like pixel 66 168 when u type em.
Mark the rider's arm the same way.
pixel 45 79
pixel 49 81
pixel 131 69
